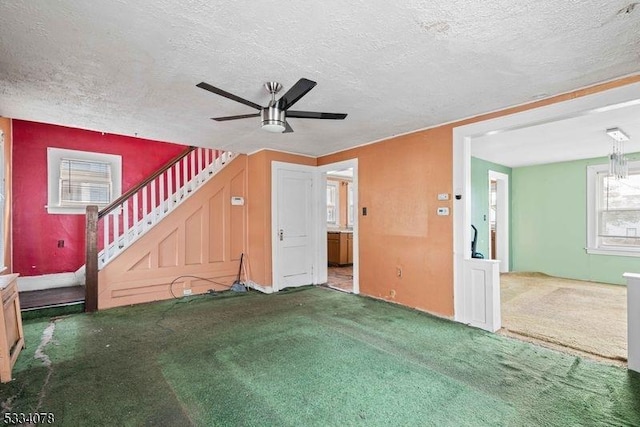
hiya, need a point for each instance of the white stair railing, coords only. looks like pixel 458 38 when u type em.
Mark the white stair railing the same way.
pixel 132 216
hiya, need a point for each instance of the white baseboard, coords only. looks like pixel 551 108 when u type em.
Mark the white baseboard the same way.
pixel 49 281
pixel 264 289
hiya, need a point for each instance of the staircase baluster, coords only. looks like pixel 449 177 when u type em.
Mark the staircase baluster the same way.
pixel 125 222
pixel 105 236
pixel 116 232
pixel 163 199
pixel 177 189
pixel 170 171
pixel 153 209
pixel 185 177
pixel 145 211
pixel 192 175
pixel 135 213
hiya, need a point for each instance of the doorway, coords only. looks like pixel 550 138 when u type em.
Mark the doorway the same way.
pixel 340 219
pixel 499 219
pixel 467 300
pixel 340 225
pixel 299 235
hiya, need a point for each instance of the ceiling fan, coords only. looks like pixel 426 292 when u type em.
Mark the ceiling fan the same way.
pixel 275 113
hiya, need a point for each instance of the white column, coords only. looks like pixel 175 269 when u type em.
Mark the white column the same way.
pixel 633 320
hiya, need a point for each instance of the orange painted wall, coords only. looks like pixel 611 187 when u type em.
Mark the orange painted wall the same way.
pixel 259 211
pixel 402 228
pixel 5 126
pixel 196 247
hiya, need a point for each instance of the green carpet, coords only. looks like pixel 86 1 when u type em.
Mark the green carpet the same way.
pixel 304 357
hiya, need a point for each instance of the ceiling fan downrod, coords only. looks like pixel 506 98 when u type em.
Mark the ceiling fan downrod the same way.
pixel 273 118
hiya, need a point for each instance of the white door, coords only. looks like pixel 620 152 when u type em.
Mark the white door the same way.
pixel 293 225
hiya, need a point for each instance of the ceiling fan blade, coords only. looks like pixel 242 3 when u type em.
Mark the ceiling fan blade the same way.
pixel 287 128
pixel 315 115
pixel 207 86
pixel 296 92
pixel 241 116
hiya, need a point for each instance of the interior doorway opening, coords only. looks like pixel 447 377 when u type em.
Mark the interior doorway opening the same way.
pixel 340 220
pixel 539 300
pixel 499 202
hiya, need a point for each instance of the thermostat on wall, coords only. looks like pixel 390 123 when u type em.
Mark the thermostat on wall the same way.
pixel 443 211
pixel 237 201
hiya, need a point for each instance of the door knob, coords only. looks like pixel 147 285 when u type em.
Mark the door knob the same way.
pixel 281 234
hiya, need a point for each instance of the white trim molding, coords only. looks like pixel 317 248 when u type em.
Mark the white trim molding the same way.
pixel 49 281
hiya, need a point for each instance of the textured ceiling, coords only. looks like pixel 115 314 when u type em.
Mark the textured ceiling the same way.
pixel 130 66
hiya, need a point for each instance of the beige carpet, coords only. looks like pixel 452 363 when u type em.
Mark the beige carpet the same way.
pixel 585 316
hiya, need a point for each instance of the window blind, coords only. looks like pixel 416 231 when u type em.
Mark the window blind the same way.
pixel 84 182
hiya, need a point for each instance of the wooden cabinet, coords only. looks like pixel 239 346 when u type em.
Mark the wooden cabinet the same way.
pixel 339 248
pixel 11 335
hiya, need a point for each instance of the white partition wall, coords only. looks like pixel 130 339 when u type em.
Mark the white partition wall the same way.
pixel 482 294
pixel 633 320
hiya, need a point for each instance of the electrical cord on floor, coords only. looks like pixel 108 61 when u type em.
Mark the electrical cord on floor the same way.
pixel 210 291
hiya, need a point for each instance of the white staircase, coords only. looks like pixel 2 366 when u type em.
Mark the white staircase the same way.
pixel 130 219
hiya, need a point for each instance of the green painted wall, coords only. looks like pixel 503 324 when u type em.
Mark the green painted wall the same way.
pixel 480 200
pixel 549 224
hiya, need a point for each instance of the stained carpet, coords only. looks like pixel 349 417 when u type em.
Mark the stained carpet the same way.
pixel 305 357
pixel 585 316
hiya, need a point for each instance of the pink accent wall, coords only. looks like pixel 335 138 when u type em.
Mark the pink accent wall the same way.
pixel 36 232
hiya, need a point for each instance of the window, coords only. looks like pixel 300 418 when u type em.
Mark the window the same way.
pixel 613 212
pixel 84 182
pixel 332 203
pixel 80 178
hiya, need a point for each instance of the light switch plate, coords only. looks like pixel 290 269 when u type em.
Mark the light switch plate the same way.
pixel 443 196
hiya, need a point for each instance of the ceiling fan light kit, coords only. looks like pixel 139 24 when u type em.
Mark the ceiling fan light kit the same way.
pixel 274 115
pixel 273 119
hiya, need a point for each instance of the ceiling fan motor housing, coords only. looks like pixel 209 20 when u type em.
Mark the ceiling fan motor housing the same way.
pixel 273 119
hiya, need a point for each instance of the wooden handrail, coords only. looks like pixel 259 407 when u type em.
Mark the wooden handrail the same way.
pixel 117 202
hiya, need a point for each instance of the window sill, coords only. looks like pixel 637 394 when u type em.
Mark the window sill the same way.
pixel 614 252
pixel 72 210
pixel 68 210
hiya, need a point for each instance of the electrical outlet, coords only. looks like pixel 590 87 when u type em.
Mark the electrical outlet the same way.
pixel 399 271
pixel 443 196
pixel 186 292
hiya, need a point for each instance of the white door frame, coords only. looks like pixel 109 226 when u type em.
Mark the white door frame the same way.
pixel 502 218
pixel 322 224
pixel 275 251
pixel 462 135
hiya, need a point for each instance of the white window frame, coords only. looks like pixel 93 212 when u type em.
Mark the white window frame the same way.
pixel 351 210
pixel 593 193
pixel 55 157
pixel 336 186
pixel 3 199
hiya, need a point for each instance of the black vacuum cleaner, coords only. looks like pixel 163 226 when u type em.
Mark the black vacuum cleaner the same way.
pixel 474 242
